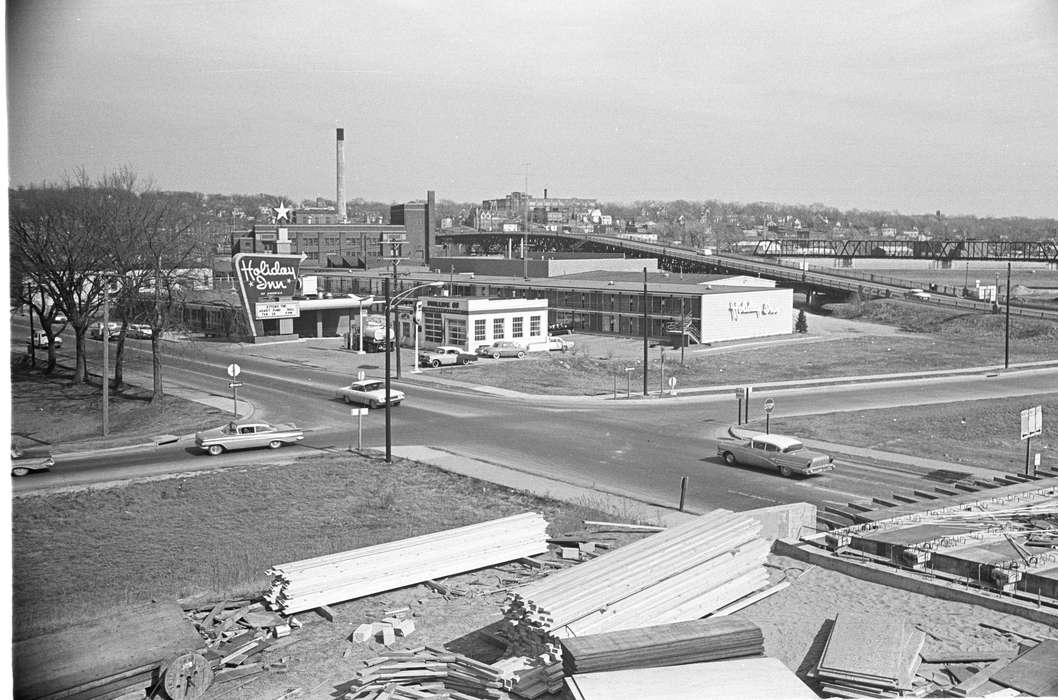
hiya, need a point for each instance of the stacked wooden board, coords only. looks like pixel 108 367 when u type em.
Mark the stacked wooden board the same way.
pixel 427 672
pixel 682 573
pixel 691 641
pixel 311 583
pixel 870 656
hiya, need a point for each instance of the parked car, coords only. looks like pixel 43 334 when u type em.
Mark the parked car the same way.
pixel 242 436
pixel 40 340
pixel 786 454
pixel 139 330
pixel 369 392
pixel 29 460
pixel 563 344
pixel 58 319
pixel 502 348
pixel 918 294
pixel 560 329
pixel 446 355
pixel 96 330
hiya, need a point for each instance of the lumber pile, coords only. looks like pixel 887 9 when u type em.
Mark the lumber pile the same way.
pixel 677 643
pixel 237 634
pixel 427 672
pixel 532 677
pixel 870 656
pixel 682 573
pixel 311 583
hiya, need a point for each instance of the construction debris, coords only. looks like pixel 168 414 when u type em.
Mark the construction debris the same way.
pixel 320 581
pixel 427 672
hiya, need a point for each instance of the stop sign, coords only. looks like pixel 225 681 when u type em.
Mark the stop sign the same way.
pixel 769 405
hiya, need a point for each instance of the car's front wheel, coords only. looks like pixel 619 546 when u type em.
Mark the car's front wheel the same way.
pixel 729 459
pixel 465 361
pixel 786 471
pixel 347 399
pixel 373 404
pixel 521 355
pixel 435 363
pixel 216 450
pixel 275 444
pixel 19 471
pixel 495 356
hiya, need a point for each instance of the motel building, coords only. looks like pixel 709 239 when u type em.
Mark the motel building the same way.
pixel 475 309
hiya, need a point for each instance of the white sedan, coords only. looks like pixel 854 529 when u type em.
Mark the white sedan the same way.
pixel 369 392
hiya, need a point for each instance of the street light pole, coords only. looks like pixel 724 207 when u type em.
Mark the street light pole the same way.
pixel 391 302
pixel 389 441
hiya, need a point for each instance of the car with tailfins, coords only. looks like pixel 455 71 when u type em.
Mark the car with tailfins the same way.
pixel 445 355
pixel 783 453
pixel 244 436
pixel 370 393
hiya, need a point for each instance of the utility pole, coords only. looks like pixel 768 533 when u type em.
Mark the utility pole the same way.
pixel 396 322
pixel 106 359
pixel 1006 344
pixel 645 334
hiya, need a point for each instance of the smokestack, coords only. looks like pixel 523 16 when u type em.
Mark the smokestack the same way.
pixel 430 210
pixel 340 204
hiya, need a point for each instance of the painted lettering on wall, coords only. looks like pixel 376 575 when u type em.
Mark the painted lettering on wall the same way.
pixel 737 309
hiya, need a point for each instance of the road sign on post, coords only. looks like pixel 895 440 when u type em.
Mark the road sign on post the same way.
pixel 233 370
pixel 769 406
pixel 1031 426
pixel 749 392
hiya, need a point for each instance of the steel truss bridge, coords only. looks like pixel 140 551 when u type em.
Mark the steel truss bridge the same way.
pixel 1025 251
pixel 787 269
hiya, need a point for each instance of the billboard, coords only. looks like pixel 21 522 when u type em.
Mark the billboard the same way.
pixel 263 277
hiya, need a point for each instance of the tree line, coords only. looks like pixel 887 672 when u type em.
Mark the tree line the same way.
pixel 79 246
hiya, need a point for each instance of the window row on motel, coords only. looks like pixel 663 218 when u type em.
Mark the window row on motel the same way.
pixel 503 328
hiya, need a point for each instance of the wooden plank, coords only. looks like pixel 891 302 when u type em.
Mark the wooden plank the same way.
pixel 1035 672
pixel 862 507
pixel 926 494
pixel 981 677
pixel 127 639
pixel 946 491
pixel 965 656
pixel 884 502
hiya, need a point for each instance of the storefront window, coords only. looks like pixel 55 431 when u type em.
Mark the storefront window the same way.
pixel 479 329
pixel 497 329
pixel 518 327
pixel 534 325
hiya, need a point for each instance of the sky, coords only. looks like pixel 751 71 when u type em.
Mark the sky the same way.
pixel 904 105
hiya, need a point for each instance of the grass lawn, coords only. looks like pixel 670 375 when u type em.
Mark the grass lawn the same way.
pixel 932 338
pixel 976 433
pixel 78 555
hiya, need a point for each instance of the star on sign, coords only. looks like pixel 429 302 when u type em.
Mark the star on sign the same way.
pixel 282 212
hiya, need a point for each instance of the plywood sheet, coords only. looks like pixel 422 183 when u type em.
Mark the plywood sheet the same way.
pixel 1034 672
pixel 741 678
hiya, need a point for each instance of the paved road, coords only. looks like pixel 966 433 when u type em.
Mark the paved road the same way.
pixel 640 447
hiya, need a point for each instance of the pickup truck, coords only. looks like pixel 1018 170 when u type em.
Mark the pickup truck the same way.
pixel 786 454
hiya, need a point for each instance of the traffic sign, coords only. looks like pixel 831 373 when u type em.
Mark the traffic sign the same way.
pixel 358 411
pixel 740 392
pixel 769 405
pixel 672 382
pixel 232 385
pixel 233 370
pixel 360 376
pixel 1031 422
